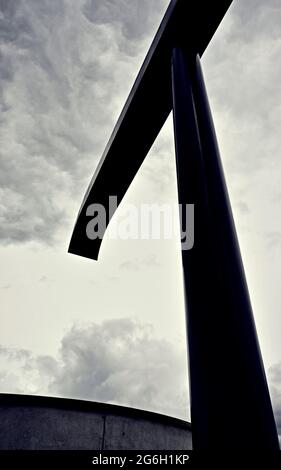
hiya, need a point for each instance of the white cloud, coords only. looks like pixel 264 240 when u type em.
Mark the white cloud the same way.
pixel 119 361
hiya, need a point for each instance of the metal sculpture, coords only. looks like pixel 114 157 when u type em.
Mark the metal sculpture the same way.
pixel 230 402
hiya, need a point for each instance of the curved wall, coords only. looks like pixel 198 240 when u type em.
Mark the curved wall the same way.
pixel 33 423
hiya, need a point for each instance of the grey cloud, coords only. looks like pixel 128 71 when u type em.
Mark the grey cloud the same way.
pixel 23 372
pixel 66 69
pixel 12 353
pixel 30 179
pixel 119 361
pixel 256 18
pixel 24 219
pixel 135 18
pixel 12 24
pixel 63 81
pixel 242 68
pixel 122 362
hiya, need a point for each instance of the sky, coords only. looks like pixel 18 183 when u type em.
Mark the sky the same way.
pixel 114 330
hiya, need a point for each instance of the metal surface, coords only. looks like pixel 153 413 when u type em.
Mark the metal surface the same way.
pixel 227 378
pixel 189 22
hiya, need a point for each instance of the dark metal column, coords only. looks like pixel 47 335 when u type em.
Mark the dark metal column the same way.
pixel 230 403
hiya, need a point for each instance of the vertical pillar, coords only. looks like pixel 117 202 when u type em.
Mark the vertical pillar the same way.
pixel 230 403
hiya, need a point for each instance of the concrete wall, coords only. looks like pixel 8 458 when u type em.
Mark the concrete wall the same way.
pixel 32 422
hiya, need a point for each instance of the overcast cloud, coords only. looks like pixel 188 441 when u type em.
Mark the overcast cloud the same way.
pixel 243 81
pixel 119 361
pixel 66 68
pixel 65 71
pixel 61 92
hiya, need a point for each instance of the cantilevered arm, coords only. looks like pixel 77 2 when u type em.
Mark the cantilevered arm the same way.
pixel 188 23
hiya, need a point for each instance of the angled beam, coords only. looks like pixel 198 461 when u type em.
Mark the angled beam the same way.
pixel 227 377
pixel 188 23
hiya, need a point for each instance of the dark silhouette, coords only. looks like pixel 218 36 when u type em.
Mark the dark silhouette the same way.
pixel 230 402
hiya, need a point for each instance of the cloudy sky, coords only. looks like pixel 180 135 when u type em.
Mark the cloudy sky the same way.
pixel 66 68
